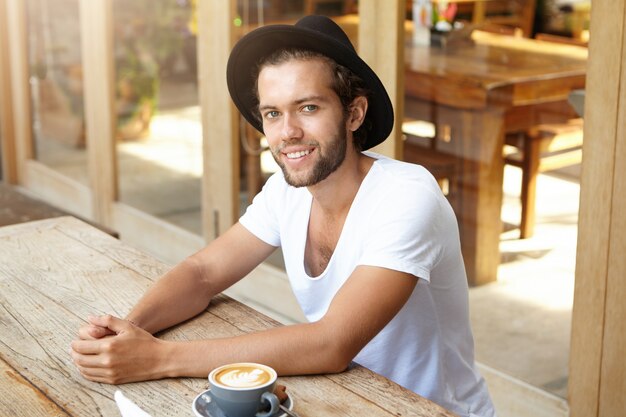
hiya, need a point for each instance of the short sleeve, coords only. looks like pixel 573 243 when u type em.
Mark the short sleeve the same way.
pixel 405 233
pixel 260 217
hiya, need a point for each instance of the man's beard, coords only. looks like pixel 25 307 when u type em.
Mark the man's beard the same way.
pixel 328 161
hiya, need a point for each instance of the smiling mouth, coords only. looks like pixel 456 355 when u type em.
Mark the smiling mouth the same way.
pixel 299 154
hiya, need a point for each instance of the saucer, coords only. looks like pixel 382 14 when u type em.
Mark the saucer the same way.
pixel 204 406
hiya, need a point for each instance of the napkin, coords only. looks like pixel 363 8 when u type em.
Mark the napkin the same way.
pixel 127 407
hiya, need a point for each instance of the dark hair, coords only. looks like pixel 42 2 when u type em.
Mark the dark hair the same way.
pixel 346 84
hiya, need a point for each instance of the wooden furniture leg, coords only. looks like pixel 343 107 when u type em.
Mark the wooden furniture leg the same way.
pixel 529 186
pixel 476 139
pixel 542 148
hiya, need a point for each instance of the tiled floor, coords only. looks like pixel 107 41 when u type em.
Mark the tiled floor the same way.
pixel 522 322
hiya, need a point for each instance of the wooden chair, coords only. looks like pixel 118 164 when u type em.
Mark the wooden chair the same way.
pixel 419 147
pixel 515 15
pixel 311 6
pixel 545 147
pixel 547 37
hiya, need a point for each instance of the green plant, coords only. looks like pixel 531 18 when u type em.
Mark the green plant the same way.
pixel 148 35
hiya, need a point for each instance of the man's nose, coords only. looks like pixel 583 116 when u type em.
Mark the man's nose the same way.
pixel 291 128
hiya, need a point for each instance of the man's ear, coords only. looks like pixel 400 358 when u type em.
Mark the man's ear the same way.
pixel 357 111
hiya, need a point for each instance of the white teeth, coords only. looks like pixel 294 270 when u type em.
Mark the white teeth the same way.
pixel 293 155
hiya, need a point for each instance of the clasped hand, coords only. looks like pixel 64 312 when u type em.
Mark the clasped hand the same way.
pixel 115 351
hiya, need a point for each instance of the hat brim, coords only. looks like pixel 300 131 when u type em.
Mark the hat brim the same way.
pixel 263 41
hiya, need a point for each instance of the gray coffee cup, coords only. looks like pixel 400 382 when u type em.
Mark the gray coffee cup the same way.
pixel 244 389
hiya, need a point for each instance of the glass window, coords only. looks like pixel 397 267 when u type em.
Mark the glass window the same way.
pixel 159 132
pixel 494 114
pixel 57 86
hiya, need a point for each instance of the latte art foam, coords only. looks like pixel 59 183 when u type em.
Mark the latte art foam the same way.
pixel 243 377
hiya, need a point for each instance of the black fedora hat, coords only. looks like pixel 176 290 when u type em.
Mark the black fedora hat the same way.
pixel 315 33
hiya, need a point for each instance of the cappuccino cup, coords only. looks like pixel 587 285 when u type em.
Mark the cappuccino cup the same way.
pixel 244 389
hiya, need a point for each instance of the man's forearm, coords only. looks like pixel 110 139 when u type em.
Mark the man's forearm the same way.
pixel 291 350
pixel 177 296
pixel 186 290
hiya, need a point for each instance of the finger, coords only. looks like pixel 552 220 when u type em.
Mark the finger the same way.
pixel 90 373
pixel 90 347
pixel 94 372
pixel 112 323
pixel 89 361
pixel 84 332
pixel 91 332
pixel 107 376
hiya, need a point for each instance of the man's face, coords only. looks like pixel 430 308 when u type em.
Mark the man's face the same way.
pixel 303 120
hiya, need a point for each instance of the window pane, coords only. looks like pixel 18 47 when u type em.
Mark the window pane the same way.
pixel 500 108
pixel 159 133
pixel 57 86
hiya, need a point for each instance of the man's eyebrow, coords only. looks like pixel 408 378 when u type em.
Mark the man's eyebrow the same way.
pixel 311 98
pixel 266 107
pixel 298 101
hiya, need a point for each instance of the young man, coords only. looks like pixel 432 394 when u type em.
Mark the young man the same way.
pixel 371 245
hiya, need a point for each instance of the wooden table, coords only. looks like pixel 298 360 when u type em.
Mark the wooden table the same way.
pixel 53 273
pixel 475 92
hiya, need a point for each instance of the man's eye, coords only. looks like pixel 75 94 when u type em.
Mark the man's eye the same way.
pixel 271 114
pixel 309 107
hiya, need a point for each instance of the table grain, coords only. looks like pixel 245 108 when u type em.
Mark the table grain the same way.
pixel 56 272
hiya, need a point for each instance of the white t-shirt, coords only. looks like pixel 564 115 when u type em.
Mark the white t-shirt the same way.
pixel 398 220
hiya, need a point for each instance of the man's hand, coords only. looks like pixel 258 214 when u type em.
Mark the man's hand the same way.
pixel 115 351
pixel 91 331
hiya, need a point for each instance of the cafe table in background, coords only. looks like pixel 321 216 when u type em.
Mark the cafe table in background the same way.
pixel 475 92
pixel 56 272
